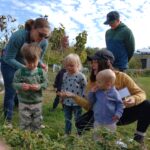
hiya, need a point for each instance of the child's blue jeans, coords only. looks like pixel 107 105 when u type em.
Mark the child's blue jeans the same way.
pixel 68 111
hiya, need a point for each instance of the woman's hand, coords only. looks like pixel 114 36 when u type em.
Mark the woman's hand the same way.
pixel 129 102
pixel 45 67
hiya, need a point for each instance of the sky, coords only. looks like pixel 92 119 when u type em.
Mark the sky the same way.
pixel 89 15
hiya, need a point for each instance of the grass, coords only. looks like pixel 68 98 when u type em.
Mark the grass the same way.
pixel 52 137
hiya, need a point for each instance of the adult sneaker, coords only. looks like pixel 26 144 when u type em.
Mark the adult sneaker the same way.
pixel 140 139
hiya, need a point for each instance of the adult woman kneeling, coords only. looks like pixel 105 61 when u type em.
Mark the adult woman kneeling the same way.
pixel 136 108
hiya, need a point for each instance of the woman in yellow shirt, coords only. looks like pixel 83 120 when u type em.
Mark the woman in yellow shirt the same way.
pixel 137 108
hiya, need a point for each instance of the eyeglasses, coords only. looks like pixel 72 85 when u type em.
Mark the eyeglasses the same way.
pixel 43 35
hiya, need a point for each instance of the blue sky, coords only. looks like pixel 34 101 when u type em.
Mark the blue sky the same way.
pixel 89 15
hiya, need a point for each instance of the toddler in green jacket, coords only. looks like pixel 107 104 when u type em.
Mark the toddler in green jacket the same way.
pixel 29 83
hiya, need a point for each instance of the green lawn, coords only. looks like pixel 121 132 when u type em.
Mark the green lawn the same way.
pixel 51 138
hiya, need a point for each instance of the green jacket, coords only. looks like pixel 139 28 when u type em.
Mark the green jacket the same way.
pixel 120 41
pixel 24 75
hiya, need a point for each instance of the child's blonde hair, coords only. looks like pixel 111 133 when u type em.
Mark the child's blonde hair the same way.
pixel 75 59
pixel 31 52
pixel 106 75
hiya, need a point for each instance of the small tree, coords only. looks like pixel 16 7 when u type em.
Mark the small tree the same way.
pixel 81 40
pixel 6 28
pixel 59 40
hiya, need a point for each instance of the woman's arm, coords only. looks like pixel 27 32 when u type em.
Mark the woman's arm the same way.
pixel 137 94
pixel 81 101
pixel 43 45
pixel 12 49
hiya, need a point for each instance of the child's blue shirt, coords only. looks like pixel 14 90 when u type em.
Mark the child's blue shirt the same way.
pixel 106 104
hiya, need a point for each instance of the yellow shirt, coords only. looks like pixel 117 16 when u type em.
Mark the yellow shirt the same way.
pixel 122 81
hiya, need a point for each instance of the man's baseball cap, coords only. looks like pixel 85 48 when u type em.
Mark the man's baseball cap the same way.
pixel 102 55
pixel 112 16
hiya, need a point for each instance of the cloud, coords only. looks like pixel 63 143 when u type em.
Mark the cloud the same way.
pixel 89 15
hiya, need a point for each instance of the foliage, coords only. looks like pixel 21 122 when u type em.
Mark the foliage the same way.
pixel 58 39
pixel 23 140
pixel 91 51
pixel 7 27
pixel 56 57
pixel 138 72
pixel 81 40
pixel 135 63
pixel 52 137
pixel 83 56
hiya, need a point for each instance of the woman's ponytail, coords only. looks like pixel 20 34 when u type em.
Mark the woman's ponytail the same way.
pixel 29 24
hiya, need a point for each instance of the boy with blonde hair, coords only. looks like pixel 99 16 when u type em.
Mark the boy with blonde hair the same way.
pixel 106 101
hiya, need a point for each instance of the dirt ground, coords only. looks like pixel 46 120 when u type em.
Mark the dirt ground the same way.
pixel 3 146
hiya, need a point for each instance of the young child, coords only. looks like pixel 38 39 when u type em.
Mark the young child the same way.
pixel 57 86
pixel 75 82
pixel 29 83
pixel 106 101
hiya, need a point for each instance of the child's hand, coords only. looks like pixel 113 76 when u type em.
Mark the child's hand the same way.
pixel 62 94
pixel 66 94
pixel 34 87
pixel 61 100
pixel 25 86
pixel 69 94
pixel 115 118
pixel 94 88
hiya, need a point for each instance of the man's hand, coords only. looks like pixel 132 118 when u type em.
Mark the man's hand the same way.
pixel 129 102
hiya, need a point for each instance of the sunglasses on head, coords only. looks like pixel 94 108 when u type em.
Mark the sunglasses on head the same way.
pixel 43 35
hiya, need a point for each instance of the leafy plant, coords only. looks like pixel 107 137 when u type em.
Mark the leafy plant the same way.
pixel 58 39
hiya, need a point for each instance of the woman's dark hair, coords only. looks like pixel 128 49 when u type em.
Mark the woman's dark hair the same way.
pixel 41 23
pixel 102 64
pixel 29 24
pixel 38 23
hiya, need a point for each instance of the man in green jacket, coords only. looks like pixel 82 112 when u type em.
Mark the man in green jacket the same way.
pixel 119 40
